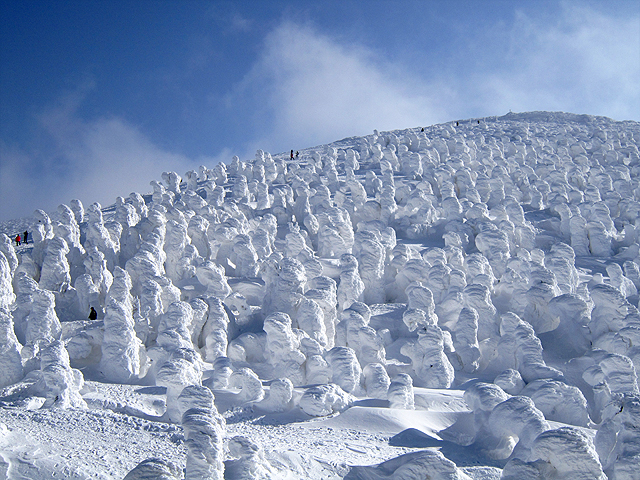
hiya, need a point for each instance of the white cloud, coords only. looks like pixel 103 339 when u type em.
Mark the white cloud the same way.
pixel 583 62
pixel 94 160
pixel 310 89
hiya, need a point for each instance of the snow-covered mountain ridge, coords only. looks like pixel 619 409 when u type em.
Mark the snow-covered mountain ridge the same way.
pixel 459 300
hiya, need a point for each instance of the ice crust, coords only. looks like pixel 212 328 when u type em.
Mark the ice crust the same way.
pixel 499 256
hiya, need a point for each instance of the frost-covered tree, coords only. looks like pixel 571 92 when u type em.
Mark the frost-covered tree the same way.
pixel 121 349
pixel 10 360
pixel 204 432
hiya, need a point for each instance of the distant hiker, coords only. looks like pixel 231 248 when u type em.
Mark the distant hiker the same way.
pixel 297 153
pixel 26 235
pixel 291 154
pixel 17 240
pixel 93 314
pixel 478 122
pixel 457 124
pixel 422 129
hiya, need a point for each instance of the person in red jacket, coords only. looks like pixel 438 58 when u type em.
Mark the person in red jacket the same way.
pixel 17 239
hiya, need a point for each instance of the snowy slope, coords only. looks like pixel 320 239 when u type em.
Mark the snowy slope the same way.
pixel 459 301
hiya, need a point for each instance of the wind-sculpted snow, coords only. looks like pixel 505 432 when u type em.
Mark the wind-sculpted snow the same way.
pixel 55 274
pixel 555 454
pixel 247 460
pixel 154 469
pixel 482 275
pixel 7 297
pixel 62 383
pixel 617 438
pixel 351 286
pixel 11 370
pixel 282 348
pixel 249 383
pixel 558 401
pixel 325 400
pixel 40 324
pixel 121 347
pixel 204 431
pixel 279 398
pixel 431 367
pixel 400 393
pixel 376 380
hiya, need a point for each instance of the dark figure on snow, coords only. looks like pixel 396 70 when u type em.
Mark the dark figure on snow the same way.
pixel 26 235
pixel 93 314
pixel 291 154
pixel 17 240
pixel 422 129
pixel 457 124
pixel 297 153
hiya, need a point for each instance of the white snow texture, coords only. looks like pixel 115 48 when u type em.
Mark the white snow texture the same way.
pixel 471 286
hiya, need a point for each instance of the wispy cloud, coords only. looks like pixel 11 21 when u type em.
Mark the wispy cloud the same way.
pixel 239 24
pixel 307 87
pixel 94 160
pixel 585 61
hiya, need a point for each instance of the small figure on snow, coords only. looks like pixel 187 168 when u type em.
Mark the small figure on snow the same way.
pixel 26 235
pixel 17 240
pixel 93 315
pixel 291 154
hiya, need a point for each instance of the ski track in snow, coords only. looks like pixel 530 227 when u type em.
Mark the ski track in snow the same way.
pixel 491 332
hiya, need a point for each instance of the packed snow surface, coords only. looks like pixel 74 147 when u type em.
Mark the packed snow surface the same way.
pixel 452 302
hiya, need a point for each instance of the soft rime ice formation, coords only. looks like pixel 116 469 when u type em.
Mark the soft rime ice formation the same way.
pixel 281 349
pixel 247 460
pixel 121 347
pixel 400 393
pixel 376 380
pixel 325 400
pixel 562 453
pixel 617 438
pixel 154 468
pixel 558 401
pixel 501 256
pixel 346 368
pixel 431 367
pixel 10 359
pixel 40 322
pixel 423 464
pixel 7 297
pixel 62 383
pixel 204 431
pixel 280 396
pixel 251 389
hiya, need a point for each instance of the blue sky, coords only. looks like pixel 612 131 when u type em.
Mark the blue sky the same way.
pixel 97 98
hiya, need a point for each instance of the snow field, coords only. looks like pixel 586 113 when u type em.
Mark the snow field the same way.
pixel 454 301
